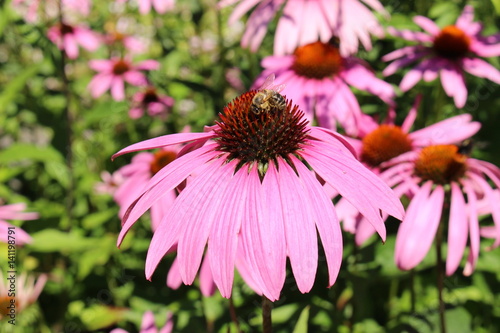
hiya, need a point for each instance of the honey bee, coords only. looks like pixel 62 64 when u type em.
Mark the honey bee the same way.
pixel 268 97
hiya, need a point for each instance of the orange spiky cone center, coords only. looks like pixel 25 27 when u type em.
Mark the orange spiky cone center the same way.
pixel 452 42
pixel 384 143
pixel 441 164
pixel 317 60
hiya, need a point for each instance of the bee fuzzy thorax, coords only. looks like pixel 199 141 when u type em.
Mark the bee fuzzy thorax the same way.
pixel 268 100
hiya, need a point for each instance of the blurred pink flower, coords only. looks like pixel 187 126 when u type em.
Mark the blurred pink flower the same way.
pixel 161 6
pixel 317 78
pixel 380 143
pixel 149 100
pixel 304 22
pixel 446 52
pixel 15 212
pixel 27 292
pixel 114 72
pixel 254 200
pixel 148 324
pixel 131 44
pixel 67 38
pixel 110 182
pixel 435 173
pixel 30 8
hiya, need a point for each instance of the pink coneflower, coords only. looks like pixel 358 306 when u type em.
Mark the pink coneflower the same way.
pixel 114 72
pixel 151 102
pixel 14 212
pixel 304 22
pixel 161 6
pixel 26 292
pixel 439 174
pixel 130 43
pixel 67 38
pixel 254 194
pixel 317 78
pixel 446 52
pixel 380 143
pixel 110 183
pixel 148 324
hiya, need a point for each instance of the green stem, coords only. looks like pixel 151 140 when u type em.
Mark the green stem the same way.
pixel 440 277
pixel 267 323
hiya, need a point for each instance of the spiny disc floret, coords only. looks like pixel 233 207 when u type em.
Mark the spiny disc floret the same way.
pixel 251 137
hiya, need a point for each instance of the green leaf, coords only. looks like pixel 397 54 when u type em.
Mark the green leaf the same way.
pixel 94 220
pixel 51 240
pixel 15 85
pixel 496 4
pixel 24 151
pixel 301 326
pixel 100 316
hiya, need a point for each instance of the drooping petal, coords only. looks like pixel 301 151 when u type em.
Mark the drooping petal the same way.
pixel 100 84
pixel 207 285
pixel 453 83
pixel 481 68
pixel 474 236
pixel 427 24
pixel 325 218
pixel 174 279
pixel 416 233
pixel 449 131
pixel 457 229
pixel 177 219
pixel 414 36
pixel 163 182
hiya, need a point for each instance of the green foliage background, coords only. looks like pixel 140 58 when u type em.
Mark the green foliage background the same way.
pixel 94 286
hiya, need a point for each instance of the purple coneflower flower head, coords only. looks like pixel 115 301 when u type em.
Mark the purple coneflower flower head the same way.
pixel 27 292
pixel 447 53
pixel 148 324
pixel 68 37
pixel 112 74
pixel 439 175
pixel 318 78
pixel 161 6
pixel 154 104
pixel 15 212
pixel 304 22
pixel 256 197
pixel 130 43
pixel 379 143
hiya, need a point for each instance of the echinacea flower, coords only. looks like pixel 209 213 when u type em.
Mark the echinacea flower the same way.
pixel 68 37
pixel 440 175
pixel 136 176
pixel 148 324
pixel 255 199
pixel 161 6
pixel 379 143
pixel 26 292
pixel 14 212
pixel 447 53
pixel 115 72
pixel 304 22
pixel 130 43
pixel 149 100
pixel 318 78
pixel 110 182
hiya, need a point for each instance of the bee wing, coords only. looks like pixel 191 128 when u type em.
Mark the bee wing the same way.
pixel 279 87
pixel 268 82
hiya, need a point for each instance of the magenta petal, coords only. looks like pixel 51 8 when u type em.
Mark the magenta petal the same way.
pixel 223 237
pixel 100 84
pixel 163 182
pixel 300 231
pixel 198 222
pixel 363 189
pixel 416 233
pixel 414 36
pixel 175 223
pixel 325 218
pixel 474 236
pixel 117 88
pixel 427 24
pixel 207 286
pixel 448 131
pixel 163 141
pixel 174 279
pixel 148 323
pixel 453 83
pixel 412 114
pixel 457 229
pixel 481 68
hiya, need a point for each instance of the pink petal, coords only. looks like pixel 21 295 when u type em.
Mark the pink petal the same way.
pixel 457 230
pixel 135 78
pixel 427 24
pixel 100 84
pixel 117 88
pixel 465 19
pixel 181 214
pixel 163 182
pixel 257 23
pixel 412 115
pixel 70 46
pixel 300 231
pixel 449 131
pixel 87 39
pixel 481 68
pixel 325 218
pixel 416 233
pixel 414 36
pixel 453 83
pixel 207 286
pixel 101 65
pixel 174 279
pixel 148 323
pixel 474 237
pixel 148 65
pixel 364 190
